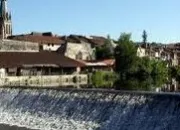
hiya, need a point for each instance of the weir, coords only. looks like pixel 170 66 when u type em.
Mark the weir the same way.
pixel 69 109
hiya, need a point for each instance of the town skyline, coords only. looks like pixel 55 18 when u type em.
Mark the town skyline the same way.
pixel 159 19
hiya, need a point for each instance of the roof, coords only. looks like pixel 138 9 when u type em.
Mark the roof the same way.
pixel 71 38
pixel 92 64
pixel 105 62
pixel 95 40
pixel 109 62
pixel 19 59
pixel 47 38
pixel 41 39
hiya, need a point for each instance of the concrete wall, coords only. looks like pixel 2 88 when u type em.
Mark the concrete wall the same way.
pixel 18 46
pixel 73 49
pixel 45 81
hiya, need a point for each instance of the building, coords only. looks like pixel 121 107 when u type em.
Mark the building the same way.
pixel 47 41
pixel 103 65
pixel 78 47
pixel 141 52
pixel 82 47
pixel 40 69
pixel 7 45
pixel 5 21
pixel 170 55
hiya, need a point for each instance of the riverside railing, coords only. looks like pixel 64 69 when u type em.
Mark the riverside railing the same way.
pixel 45 81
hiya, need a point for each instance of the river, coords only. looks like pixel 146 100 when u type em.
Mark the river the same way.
pixel 69 109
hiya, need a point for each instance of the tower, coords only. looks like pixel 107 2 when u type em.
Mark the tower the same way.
pixel 5 21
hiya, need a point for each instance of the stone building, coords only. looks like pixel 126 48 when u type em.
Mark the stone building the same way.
pixel 77 47
pixel 47 41
pixel 170 55
pixel 5 21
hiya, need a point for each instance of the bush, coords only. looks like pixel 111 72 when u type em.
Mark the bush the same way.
pixel 103 79
pixel 174 72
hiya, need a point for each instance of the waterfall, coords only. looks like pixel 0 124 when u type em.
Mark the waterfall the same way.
pixel 88 109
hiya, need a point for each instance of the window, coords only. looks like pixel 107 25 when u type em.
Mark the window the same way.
pixel 79 56
pixel 12 71
pixel 79 79
pixel 7 28
pixel 40 47
pixel 87 58
pixel 67 80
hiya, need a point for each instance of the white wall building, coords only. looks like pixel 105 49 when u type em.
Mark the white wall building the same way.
pixel 141 52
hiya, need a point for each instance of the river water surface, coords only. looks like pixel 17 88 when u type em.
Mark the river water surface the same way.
pixel 88 110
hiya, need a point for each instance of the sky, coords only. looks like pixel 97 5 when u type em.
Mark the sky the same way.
pixel 160 18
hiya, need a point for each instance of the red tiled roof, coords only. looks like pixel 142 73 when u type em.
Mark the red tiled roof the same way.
pixel 109 62
pixel 18 59
pixel 71 38
pixel 47 39
pixel 38 38
pixel 98 40
pixel 95 40
pixel 105 62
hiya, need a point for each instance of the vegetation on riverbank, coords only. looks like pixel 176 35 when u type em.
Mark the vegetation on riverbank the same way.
pixel 175 72
pixel 127 62
pixel 141 73
pixel 132 72
pixel 103 79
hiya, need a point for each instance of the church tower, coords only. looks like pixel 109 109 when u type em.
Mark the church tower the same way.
pixel 5 21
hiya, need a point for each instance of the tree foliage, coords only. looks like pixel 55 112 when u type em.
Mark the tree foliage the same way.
pixel 105 51
pixel 134 83
pixel 125 55
pixel 144 36
pixel 152 67
pixel 103 79
pixel 174 72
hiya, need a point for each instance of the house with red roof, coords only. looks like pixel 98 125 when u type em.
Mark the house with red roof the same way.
pixel 40 69
pixel 46 41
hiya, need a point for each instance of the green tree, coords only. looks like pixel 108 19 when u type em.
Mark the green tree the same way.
pixel 144 36
pixel 159 68
pixel 106 50
pixel 125 55
pixel 144 67
pixel 152 67
pixel 174 72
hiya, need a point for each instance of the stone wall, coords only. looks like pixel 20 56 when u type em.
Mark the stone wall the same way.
pixel 73 49
pixel 18 46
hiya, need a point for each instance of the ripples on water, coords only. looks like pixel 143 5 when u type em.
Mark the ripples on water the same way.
pixel 88 110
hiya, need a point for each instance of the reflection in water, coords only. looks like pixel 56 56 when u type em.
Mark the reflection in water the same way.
pixel 172 86
pixel 148 84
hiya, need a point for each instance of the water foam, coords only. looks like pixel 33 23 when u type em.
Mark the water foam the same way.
pixel 88 110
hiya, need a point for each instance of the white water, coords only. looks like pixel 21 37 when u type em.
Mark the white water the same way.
pixel 87 110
